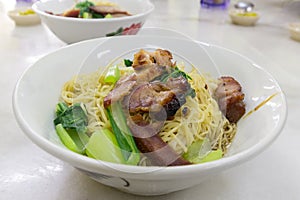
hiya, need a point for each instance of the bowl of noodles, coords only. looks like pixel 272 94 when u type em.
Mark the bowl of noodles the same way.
pixel 152 116
pixel 74 21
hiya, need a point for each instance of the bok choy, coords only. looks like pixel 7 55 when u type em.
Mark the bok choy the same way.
pixel 71 126
pixel 123 134
pixel 200 152
pixel 104 146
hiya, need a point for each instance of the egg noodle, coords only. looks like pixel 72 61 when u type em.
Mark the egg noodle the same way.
pixel 198 118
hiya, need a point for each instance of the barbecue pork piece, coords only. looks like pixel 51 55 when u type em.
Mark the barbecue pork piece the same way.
pixel 230 98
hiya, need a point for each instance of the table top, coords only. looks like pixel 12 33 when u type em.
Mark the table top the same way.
pixel 27 172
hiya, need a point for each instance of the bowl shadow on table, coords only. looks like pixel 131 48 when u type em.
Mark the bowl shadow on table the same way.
pixel 79 186
pixel 77 182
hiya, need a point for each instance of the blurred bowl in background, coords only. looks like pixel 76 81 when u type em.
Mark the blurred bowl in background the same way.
pixel 294 29
pixel 70 30
pixel 24 16
pixel 243 18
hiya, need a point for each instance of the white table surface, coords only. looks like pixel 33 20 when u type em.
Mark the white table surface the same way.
pixel 27 172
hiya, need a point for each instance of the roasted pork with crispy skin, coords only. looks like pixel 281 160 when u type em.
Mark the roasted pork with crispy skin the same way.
pixel 230 98
pixel 113 10
pixel 159 57
pixel 149 96
pixel 154 90
pixel 146 70
pixel 153 147
pixel 149 72
pixel 122 88
pixel 155 98
pixel 159 152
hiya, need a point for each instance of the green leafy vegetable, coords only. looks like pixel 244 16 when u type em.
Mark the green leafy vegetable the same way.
pixel 73 117
pixel 87 15
pixel 176 72
pixel 199 153
pixel 213 155
pixel 108 16
pixel 84 4
pixel 60 108
pixel 66 139
pixel 85 11
pixel 117 32
pixel 128 63
pixel 191 92
pixel 71 126
pixel 123 134
pixel 112 75
pixel 104 146
pixel 84 7
pixel 80 139
pixel 96 15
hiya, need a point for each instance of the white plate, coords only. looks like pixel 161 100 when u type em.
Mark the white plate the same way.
pixel 37 92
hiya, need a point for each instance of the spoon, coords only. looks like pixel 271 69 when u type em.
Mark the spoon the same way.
pixel 246 6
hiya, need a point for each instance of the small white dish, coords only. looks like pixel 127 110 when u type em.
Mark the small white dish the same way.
pixel 24 20
pixel 243 18
pixel 294 29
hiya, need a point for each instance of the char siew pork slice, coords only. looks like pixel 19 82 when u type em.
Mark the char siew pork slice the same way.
pixel 128 83
pixel 113 10
pixel 153 147
pixel 156 98
pixel 143 93
pixel 230 98
pixel 122 88
pixel 160 57
pixel 159 152
pixel 149 72
pixel 144 74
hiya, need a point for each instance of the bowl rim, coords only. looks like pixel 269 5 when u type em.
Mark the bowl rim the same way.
pixel 68 19
pixel 141 172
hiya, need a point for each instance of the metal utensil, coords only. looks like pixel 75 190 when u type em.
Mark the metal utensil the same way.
pixel 246 6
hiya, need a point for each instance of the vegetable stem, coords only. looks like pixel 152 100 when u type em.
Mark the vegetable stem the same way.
pixel 104 146
pixel 71 126
pixel 199 153
pixel 112 75
pixel 123 134
pixel 66 139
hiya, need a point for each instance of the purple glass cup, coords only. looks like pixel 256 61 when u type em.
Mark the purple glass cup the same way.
pixel 214 3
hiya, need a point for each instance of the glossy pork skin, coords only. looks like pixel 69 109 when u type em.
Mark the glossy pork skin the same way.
pixel 230 98
pixel 142 93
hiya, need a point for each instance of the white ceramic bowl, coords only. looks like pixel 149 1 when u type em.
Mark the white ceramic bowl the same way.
pixel 72 30
pixel 37 93
pixel 294 29
pixel 243 20
pixel 24 20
